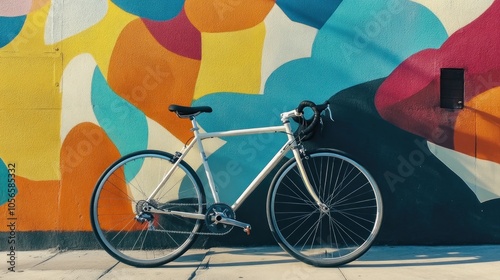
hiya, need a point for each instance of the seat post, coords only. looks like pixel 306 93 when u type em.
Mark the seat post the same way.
pixel 195 126
pixel 208 173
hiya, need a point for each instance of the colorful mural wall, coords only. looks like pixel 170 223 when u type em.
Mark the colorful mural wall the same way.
pixel 84 82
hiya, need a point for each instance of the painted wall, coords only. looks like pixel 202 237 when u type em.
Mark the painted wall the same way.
pixel 86 81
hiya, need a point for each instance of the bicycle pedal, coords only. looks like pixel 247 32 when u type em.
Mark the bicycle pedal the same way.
pixel 247 230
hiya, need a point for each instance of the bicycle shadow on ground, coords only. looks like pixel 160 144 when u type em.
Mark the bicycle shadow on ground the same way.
pixel 251 256
pixel 376 257
pixel 406 256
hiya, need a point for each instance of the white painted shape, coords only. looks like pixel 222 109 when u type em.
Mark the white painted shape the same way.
pixel 160 138
pixel 481 176
pixel 76 86
pixel 285 41
pixel 68 18
pixel 455 14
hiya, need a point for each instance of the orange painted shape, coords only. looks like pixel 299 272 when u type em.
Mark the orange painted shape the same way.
pixel 37 4
pixel 114 208
pixel 151 77
pixel 85 154
pixel 227 15
pixel 464 134
pixel 36 205
pixel 487 124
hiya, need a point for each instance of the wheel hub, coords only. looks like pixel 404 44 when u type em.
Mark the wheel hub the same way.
pixel 141 208
pixel 324 208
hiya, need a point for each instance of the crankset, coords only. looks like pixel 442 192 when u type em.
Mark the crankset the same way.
pixel 221 219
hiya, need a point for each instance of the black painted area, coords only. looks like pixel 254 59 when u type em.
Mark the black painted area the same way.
pixel 424 201
pixel 40 240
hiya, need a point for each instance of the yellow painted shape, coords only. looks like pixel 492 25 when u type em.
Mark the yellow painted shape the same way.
pixel 30 112
pixel 100 39
pixel 231 62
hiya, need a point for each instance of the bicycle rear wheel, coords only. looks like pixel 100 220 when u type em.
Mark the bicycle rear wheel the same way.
pixel 140 238
pixel 337 234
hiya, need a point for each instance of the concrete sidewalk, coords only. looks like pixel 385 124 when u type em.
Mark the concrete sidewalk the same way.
pixel 405 262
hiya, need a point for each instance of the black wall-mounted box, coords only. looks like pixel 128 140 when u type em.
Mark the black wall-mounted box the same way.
pixel 452 88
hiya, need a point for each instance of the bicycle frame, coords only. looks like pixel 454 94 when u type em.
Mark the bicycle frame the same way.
pixel 327 225
pixel 199 136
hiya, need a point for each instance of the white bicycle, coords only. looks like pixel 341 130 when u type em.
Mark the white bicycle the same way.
pixel 323 207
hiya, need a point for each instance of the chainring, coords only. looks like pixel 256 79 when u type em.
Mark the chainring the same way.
pixel 214 213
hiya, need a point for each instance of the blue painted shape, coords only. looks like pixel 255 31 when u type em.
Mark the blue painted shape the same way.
pixel 152 9
pixel 237 162
pixel 10 28
pixel 125 125
pixel 6 192
pixel 312 12
pixel 359 43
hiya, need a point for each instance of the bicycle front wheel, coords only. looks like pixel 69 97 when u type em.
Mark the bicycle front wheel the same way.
pixel 340 230
pixel 140 238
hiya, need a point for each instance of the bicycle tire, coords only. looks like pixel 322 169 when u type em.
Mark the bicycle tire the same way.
pixel 158 238
pixel 329 238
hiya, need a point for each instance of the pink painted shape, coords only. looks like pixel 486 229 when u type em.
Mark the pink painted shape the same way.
pixel 14 8
pixel 409 97
pixel 177 35
pixel 37 4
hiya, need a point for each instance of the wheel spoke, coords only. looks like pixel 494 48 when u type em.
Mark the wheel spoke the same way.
pixel 139 238
pixel 337 233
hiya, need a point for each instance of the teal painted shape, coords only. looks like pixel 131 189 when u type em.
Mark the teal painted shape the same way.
pixel 359 43
pixel 312 12
pixel 10 28
pixel 125 125
pixel 6 192
pixel 240 159
pixel 152 9
pixel 340 59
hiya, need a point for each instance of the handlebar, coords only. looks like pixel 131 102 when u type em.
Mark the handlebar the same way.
pixel 317 110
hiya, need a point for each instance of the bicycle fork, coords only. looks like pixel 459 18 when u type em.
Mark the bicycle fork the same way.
pixel 305 179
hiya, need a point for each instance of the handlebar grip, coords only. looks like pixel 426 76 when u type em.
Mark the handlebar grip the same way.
pixel 315 119
pixel 317 109
pixel 304 104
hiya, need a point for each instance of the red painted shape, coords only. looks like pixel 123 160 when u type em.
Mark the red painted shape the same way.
pixel 177 35
pixel 409 97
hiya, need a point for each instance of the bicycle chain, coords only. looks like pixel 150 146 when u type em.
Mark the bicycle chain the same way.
pixel 190 232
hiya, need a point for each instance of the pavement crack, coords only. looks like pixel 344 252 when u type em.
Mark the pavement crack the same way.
pixel 58 251
pixel 343 275
pixel 108 270
pixel 204 265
